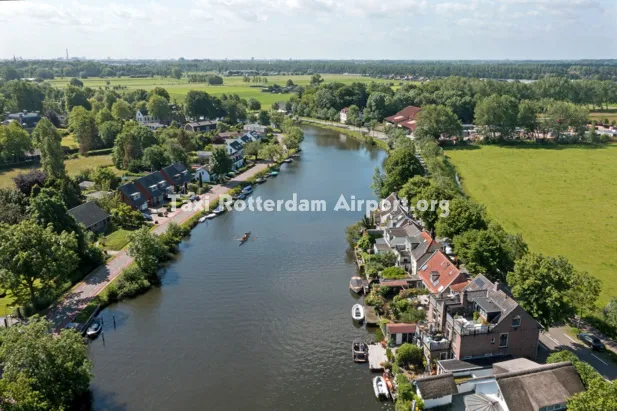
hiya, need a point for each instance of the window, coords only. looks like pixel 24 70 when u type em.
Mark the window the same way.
pixel 503 340
pixel 516 321
pixel 493 340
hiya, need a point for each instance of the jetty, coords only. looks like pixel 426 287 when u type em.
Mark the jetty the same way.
pixel 370 316
pixel 376 357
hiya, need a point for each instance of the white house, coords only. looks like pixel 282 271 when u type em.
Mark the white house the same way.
pixel 400 333
pixel 146 120
pixel 235 150
pixel 343 115
pixel 203 174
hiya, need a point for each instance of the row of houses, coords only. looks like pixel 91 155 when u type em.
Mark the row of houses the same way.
pixel 467 317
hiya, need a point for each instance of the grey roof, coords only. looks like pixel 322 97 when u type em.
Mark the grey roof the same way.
pixel 97 194
pixel 150 180
pixel 483 292
pixel 178 172
pixel 539 387
pixel 473 364
pixel 235 145
pixel 381 244
pixel 88 214
pixel 143 111
pixel 487 305
pixel 436 386
pixel 201 123
pixel 204 154
pixel 246 139
pixel 518 364
pixel 129 189
pixel 86 184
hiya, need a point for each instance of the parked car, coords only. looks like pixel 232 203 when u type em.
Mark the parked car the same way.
pixel 592 341
pixel 193 198
pixel 147 216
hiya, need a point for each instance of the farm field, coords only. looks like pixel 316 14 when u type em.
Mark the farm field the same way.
pixel 563 200
pixel 73 167
pixel 232 85
pixel 602 115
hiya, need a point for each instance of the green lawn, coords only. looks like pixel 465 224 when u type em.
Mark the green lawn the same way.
pixel 232 85
pixel 563 200
pixel 73 167
pixel 117 240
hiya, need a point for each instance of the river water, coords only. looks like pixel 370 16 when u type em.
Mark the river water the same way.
pixel 265 326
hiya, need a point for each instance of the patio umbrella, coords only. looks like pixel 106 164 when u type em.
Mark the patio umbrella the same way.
pixel 480 402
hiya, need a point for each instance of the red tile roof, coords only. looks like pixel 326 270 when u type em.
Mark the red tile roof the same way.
pixel 406 117
pixel 438 273
pixel 401 328
pixel 458 287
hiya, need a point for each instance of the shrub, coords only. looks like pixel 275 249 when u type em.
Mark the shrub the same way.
pixel 132 282
pixel 394 273
pixel 408 354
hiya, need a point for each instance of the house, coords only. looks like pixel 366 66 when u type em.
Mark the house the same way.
pixel 177 176
pixel 25 119
pixel 525 385
pixel 257 128
pixel 436 390
pixel 229 135
pixel 392 212
pixel 154 188
pixel 406 118
pixel 343 115
pixel 235 150
pixel 479 318
pixel 142 117
pixel 203 174
pixel 400 333
pixel 200 126
pixel 93 217
pixel 439 273
pixel 132 196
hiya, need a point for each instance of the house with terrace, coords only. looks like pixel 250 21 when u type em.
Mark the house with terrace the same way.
pixel 177 176
pixel 478 318
pixel 154 188
pixel 235 150
pixel 132 196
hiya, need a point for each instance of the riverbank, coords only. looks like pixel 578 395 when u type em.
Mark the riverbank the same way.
pixel 378 139
pixel 83 298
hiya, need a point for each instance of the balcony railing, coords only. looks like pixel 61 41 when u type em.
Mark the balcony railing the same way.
pixel 435 345
pixel 467 326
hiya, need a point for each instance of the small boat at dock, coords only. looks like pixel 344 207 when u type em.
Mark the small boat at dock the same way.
pixel 356 285
pixel 219 210
pixel 245 237
pixel 357 312
pixel 247 190
pixel 274 173
pixel 210 216
pixel 380 388
pixel 359 350
pixel 260 180
pixel 287 160
pixel 202 219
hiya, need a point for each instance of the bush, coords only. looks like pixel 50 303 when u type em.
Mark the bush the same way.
pixel 131 283
pixel 394 273
pixel 408 354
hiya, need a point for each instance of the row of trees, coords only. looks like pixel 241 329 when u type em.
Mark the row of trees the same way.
pixel 602 69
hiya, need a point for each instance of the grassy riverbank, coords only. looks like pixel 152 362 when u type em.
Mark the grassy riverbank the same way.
pixel 351 133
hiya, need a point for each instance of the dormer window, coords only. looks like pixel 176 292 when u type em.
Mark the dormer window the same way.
pixel 152 187
pixel 161 184
pixel 135 196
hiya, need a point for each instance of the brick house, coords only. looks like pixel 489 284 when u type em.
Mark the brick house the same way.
pixel 176 175
pixel 479 319
pixel 132 196
pixel 406 118
pixel 154 187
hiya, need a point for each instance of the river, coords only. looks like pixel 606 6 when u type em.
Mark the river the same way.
pixel 265 326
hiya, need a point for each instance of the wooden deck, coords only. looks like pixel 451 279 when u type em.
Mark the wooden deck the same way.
pixel 370 316
pixel 376 357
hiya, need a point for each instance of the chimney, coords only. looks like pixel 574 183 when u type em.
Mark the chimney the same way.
pixel 497 286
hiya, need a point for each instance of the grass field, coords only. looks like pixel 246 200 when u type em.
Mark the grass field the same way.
pixel 563 200
pixel 73 167
pixel 232 85
pixel 601 115
pixel 117 240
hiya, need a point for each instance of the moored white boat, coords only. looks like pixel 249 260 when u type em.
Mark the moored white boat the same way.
pixel 202 219
pixel 357 312
pixel 219 210
pixel 356 285
pixel 380 388
pixel 210 216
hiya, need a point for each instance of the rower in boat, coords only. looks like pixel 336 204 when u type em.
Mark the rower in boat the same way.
pixel 245 237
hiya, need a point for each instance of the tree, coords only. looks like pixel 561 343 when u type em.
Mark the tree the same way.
pixel 121 110
pixel 131 143
pixel 491 251
pixel 252 149
pixel 408 354
pixel 108 131
pixel 105 179
pixel 584 293
pixel 600 395
pixel 158 107
pixel 254 104
pixel 12 206
pixel 264 118
pixel 464 215
pixel 435 121
pixel 42 371
pixel 176 73
pixel 147 249
pixel 159 91
pixel 400 166
pixel 610 312
pixel 75 97
pixel 277 119
pixel 541 285
pixel 377 107
pixel 103 115
pixel 155 158
pixel 412 188
pixel 316 80
pixel 9 73
pixel 289 83
pixel 293 137
pixel 433 194
pixel 528 111
pixel 200 103
pixel 354 116
pixel 14 141
pixel 378 182
pixel 81 121
pixel 272 152
pixel 33 259
pixel 175 152
pixel 497 116
pixel 220 163
pixel 48 140
pixel 48 209
pixel 26 182
pixel 76 82
pixel 393 273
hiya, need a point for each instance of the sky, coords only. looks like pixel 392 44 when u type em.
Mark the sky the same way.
pixel 310 29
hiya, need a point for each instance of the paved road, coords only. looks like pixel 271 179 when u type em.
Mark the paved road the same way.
pixel 82 293
pixel 558 339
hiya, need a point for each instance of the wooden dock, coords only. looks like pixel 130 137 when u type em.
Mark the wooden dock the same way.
pixel 376 357
pixel 370 316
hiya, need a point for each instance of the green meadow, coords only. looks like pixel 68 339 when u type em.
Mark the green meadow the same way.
pixel 232 85
pixel 563 200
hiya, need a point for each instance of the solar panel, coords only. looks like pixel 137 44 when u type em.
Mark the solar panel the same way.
pixel 479 282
